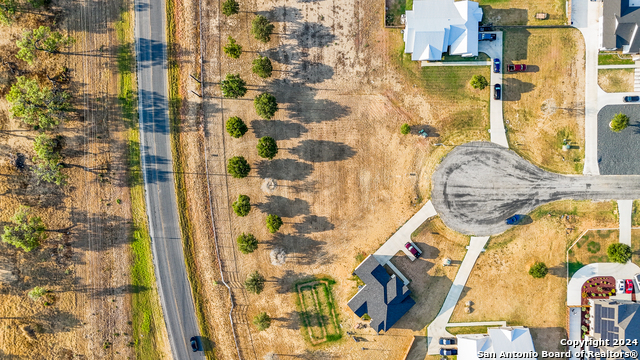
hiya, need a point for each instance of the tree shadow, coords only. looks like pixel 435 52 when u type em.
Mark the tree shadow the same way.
pixel 322 151
pixel 291 321
pixel 278 129
pixel 301 249
pixel 312 224
pixel 499 17
pixel 284 207
pixel 284 169
pixel 428 129
pixel 514 88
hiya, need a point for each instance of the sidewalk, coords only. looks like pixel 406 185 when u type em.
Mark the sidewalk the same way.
pixel 624 215
pixel 437 328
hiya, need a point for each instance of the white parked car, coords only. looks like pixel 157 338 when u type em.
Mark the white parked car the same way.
pixel 620 286
pixel 636 277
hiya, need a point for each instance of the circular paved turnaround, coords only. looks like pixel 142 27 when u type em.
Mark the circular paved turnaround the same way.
pixel 480 184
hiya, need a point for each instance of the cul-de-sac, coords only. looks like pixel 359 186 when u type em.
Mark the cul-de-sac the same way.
pixel 319 179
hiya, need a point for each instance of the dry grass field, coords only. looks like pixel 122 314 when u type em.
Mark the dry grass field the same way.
pixel 85 262
pixel 545 105
pixel 616 80
pixel 501 288
pixel 523 12
pixel 591 248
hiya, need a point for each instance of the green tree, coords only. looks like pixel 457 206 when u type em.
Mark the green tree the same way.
pixel 27 231
pixel 233 86
pixel 619 122
pixel 8 10
pixel 41 39
pixel 37 106
pixel 266 105
pixel 236 127
pixel 262 321
pixel 238 167
pixel 405 129
pixel 262 67
pixel 247 243
pixel 261 28
pixel 47 160
pixel 230 7
pixel 242 206
pixel 618 252
pixel 479 82
pixel 273 223
pixel 232 49
pixel 254 283
pixel 267 147
pixel 538 270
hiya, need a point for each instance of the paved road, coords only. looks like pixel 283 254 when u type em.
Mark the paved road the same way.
pixel 480 184
pixel 437 328
pixel 494 50
pixel 166 240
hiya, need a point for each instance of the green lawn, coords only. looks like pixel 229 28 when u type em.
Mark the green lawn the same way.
pixel 613 59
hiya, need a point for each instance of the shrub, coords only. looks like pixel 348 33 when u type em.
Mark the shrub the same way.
pixel 262 67
pixel 273 223
pixel 26 233
pixel 242 206
pixel 37 292
pixel 538 270
pixel 261 28
pixel 37 106
pixel 247 243
pixel 238 167
pixel 405 129
pixel 230 7
pixel 266 105
pixel 618 252
pixel 254 283
pixel 236 127
pixel 262 321
pixel 232 49
pixel 233 86
pixel 48 160
pixel 619 122
pixel 267 147
pixel 479 82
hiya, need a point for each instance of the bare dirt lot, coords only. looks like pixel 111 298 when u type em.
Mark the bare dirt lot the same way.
pixel 523 12
pixel 545 105
pixel 500 287
pixel 345 178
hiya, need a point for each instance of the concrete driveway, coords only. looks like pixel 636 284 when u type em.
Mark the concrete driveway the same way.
pixel 494 50
pixel 480 184
pixel 618 271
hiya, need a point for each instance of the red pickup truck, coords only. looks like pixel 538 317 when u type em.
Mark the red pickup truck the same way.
pixel 516 68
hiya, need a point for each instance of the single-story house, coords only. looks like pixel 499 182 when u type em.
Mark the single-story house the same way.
pixel 498 340
pixel 620 19
pixel 613 320
pixel 437 26
pixel 385 298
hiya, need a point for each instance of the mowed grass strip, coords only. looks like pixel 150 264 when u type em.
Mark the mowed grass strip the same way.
pixel 147 318
pixel 314 323
pixel 175 103
pixel 613 59
pixel 330 318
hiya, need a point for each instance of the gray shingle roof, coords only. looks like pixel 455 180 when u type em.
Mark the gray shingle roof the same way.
pixel 620 26
pixel 384 298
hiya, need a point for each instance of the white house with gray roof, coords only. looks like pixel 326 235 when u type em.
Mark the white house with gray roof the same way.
pixel 437 26
pixel 506 339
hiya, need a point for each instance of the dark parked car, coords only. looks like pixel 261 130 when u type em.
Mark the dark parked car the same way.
pixel 448 352
pixel 513 220
pixel 485 28
pixel 631 98
pixel 629 286
pixel 195 345
pixel 486 37
pixel 412 249
pixel 447 341
pixel 496 91
pixel 496 65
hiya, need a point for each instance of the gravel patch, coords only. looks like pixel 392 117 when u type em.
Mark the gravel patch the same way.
pixel 618 152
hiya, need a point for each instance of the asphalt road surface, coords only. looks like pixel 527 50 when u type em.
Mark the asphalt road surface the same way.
pixel 480 184
pixel 157 165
